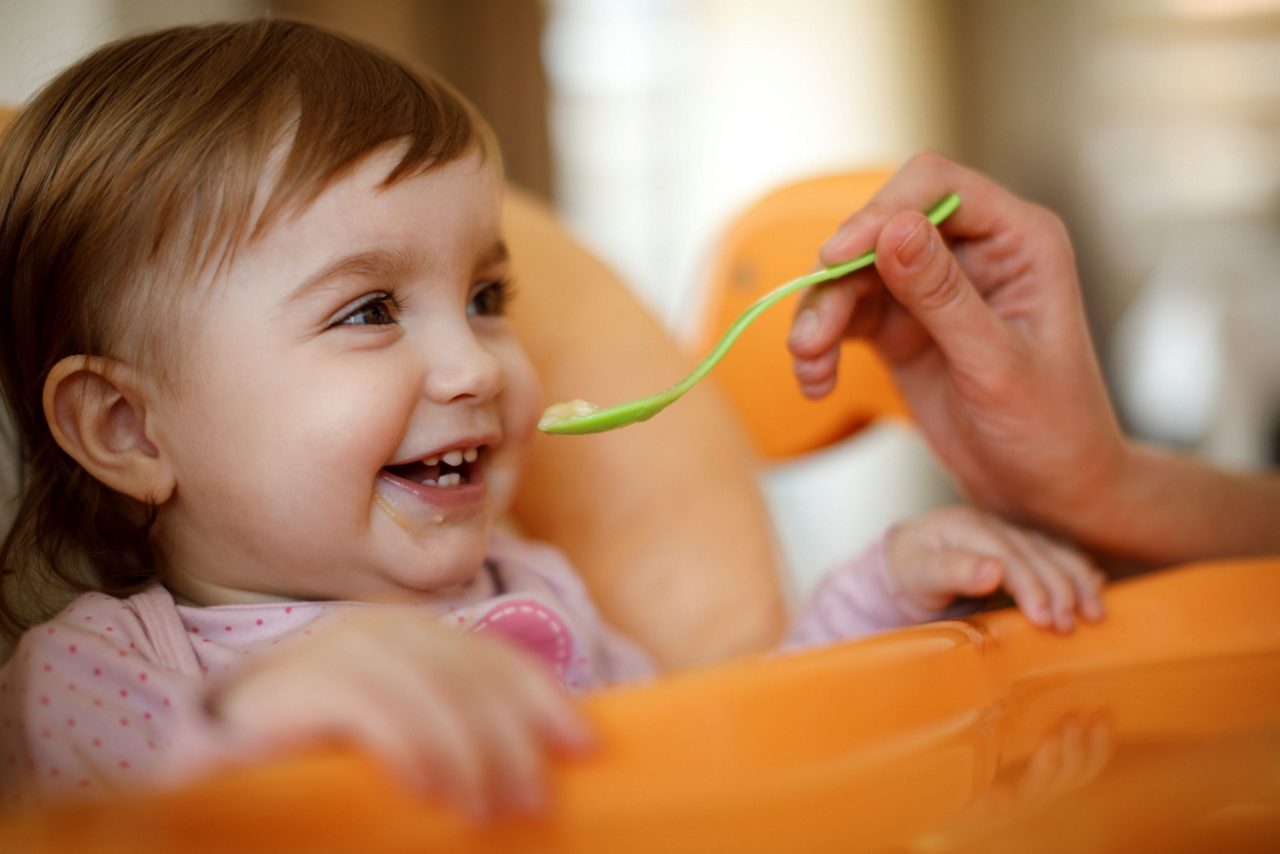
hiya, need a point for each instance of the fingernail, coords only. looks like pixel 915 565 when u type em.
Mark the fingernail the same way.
pixel 914 252
pixel 804 328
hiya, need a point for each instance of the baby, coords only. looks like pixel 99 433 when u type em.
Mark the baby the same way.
pixel 271 407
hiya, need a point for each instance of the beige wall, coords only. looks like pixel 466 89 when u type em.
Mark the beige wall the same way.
pixel 38 39
pixel 1153 127
pixel 488 49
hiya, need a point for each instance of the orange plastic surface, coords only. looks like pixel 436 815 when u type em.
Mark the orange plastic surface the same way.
pixel 775 240
pixel 1158 730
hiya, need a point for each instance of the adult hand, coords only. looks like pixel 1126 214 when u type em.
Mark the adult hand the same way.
pixel 983 328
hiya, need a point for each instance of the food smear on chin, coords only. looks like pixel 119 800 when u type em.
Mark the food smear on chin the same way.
pixel 398 516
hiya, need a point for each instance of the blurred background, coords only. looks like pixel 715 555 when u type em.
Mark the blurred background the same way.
pixel 1151 126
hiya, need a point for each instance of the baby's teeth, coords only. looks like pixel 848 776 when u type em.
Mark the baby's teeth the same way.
pixel 451 479
pixel 431 461
pixel 453 458
pixel 470 455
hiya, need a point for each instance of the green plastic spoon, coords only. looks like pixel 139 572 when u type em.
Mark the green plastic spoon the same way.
pixel 578 416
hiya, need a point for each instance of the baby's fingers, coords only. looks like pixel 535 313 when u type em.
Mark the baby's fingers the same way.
pixel 518 713
pixel 1068 581
pixel 1025 586
pixel 431 741
pixel 1061 594
pixel 429 723
pixel 550 709
pixel 399 725
pixel 512 751
pixel 518 718
pixel 1079 571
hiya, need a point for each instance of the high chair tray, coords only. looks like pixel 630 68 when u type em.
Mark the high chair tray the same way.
pixel 1157 730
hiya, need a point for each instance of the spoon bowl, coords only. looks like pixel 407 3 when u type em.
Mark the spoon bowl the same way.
pixel 579 416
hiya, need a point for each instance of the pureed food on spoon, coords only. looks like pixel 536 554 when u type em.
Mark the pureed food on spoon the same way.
pixel 569 409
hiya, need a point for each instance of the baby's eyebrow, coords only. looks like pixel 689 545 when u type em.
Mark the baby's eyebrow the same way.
pixel 382 264
pixel 497 253
pixel 378 264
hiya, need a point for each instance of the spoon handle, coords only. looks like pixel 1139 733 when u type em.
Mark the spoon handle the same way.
pixel 936 215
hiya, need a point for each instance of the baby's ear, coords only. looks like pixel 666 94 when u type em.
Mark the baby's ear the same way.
pixel 97 409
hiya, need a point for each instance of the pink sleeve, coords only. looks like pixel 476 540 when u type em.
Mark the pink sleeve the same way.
pixel 104 696
pixel 854 599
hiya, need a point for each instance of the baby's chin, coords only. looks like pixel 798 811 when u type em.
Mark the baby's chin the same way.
pixel 426 559
pixel 438 583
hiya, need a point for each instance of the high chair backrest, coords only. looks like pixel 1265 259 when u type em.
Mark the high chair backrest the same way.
pixel 772 241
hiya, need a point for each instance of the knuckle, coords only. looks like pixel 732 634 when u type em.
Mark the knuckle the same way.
pixel 1030 596
pixel 1055 579
pixel 946 289
pixel 1002 379
pixel 1027 579
pixel 1086 576
pixel 878 207
pixel 1046 218
pixel 875 211
pixel 1019 579
pixel 926 160
pixel 1048 223
pixel 812 370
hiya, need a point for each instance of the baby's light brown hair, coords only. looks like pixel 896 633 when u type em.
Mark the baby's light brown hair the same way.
pixel 129 177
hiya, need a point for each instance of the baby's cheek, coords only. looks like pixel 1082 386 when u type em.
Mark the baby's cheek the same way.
pixel 524 403
pixel 370 423
pixel 521 407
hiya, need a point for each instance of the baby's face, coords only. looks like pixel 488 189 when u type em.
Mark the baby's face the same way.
pixel 353 406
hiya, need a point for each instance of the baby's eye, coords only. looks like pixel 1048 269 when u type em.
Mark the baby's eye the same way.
pixel 377 310
pixel 490 299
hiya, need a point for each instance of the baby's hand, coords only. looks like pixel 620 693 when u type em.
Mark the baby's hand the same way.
pixel 457 714
pixel 959 551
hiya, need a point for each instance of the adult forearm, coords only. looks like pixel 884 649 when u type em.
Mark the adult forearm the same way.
pixel 1163 508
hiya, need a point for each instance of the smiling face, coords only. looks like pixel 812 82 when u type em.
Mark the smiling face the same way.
pixel 352 407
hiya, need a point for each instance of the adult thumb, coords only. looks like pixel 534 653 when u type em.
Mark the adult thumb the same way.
pixel 927 280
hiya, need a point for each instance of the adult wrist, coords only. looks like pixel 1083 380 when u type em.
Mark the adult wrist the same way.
pixel 1139 516
pixel 1098 512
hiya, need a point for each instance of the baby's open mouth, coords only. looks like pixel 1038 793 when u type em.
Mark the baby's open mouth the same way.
pixel 452 468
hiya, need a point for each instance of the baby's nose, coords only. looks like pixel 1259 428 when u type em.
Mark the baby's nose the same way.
pixel 464 368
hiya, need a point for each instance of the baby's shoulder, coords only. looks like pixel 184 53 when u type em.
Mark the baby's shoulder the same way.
pixel 102 627
pixel 96 612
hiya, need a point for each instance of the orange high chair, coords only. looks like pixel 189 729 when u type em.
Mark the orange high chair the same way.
pixel 1156 730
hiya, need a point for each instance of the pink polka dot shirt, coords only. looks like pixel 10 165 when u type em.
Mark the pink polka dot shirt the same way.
pixel 110 692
